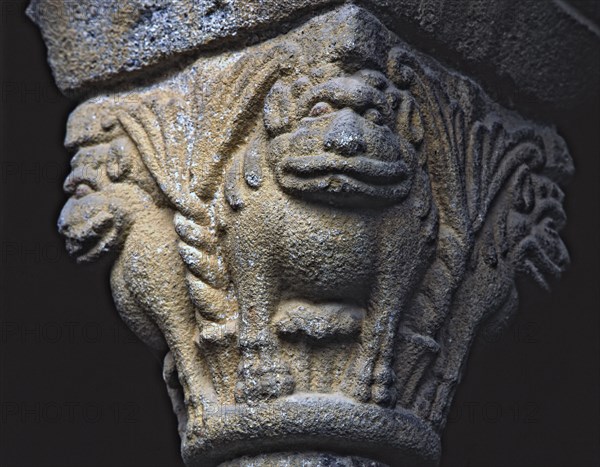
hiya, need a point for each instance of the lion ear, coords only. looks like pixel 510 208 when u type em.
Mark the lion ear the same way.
pixel 410 122
pixel 277 109
pixel 118 163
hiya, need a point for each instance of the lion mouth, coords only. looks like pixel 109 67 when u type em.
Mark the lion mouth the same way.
pixel 346 177
pixel 91 248
pixel 88 238
pixel 364 169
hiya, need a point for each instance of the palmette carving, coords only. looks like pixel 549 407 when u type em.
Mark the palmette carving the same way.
pixel 314 225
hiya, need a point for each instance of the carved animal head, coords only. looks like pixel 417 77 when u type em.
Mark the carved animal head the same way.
pixel 108 184
pixel 336 138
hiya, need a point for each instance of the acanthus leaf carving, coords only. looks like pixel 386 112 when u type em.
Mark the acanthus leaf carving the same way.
pixel 316 225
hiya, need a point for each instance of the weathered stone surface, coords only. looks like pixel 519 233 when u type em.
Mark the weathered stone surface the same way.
pixel 312 228
pixel 529 47
pixel 306 459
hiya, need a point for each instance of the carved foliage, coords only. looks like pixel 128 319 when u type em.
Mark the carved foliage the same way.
pixel 344 221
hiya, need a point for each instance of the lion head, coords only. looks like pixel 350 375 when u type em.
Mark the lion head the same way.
pixel 108 184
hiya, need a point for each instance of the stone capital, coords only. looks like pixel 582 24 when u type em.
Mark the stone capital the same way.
pixel 310 213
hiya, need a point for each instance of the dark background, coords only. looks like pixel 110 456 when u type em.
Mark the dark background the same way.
pixel 77 389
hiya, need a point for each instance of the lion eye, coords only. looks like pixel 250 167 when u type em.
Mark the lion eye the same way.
pixel 319 109
pixel 82 190
pixel 374 116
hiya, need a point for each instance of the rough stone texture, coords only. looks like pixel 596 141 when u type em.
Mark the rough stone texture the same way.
pixel 312 228
pixel 305 459
pixel 531 47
